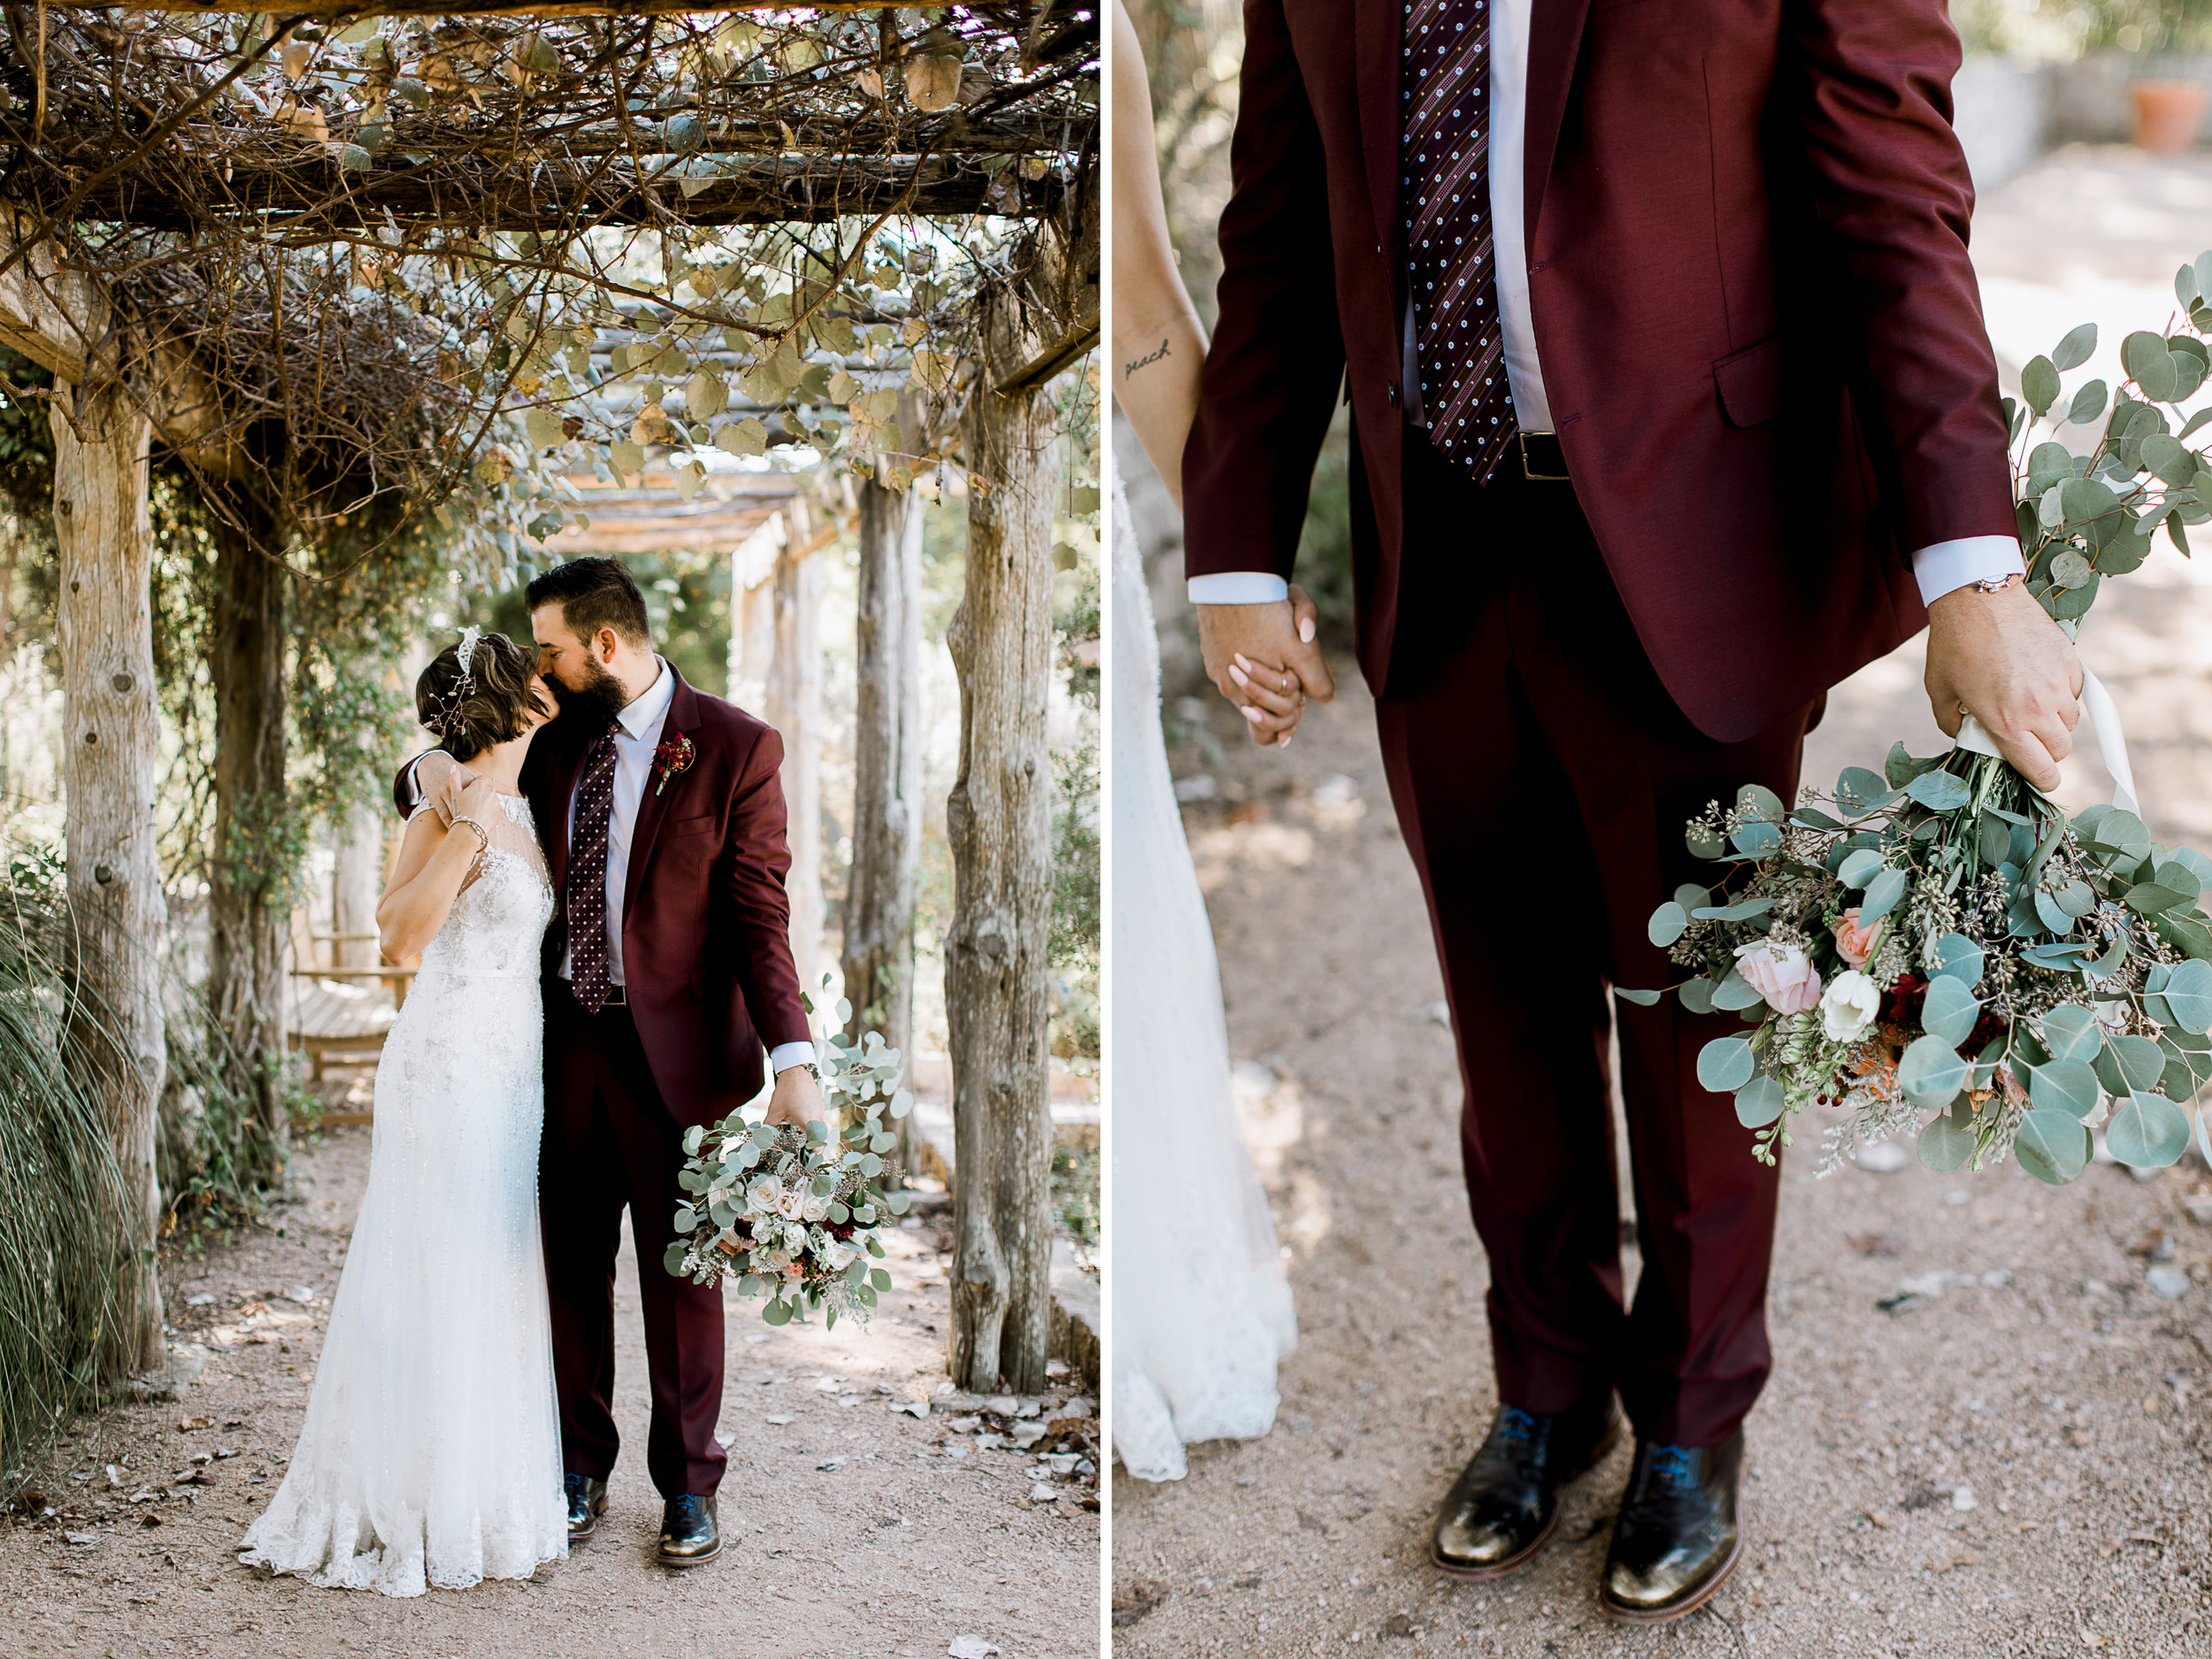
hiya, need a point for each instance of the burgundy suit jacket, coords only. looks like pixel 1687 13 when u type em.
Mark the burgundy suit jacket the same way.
pixel 706 943
pixel 1763 341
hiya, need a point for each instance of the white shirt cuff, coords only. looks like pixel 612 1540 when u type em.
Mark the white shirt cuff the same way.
pixel 1943 566
pixel 784 1056
pixel 1239 587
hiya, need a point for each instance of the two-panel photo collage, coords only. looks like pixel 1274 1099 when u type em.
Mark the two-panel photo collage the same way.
pixel 1040 830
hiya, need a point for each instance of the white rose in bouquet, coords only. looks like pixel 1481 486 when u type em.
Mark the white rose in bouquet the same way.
pixel 839 1256
pixel 792 1205
pixel 814 1209
pixel 1848 1006
pixel 766 1192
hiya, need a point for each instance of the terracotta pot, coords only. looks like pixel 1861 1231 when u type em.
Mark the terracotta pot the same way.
pixel 2167 113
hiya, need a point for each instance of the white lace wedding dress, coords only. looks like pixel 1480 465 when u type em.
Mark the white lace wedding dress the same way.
pixel 431 1452
pixel 1201 1311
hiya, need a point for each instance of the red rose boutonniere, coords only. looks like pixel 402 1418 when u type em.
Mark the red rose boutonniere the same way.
pixel 671 759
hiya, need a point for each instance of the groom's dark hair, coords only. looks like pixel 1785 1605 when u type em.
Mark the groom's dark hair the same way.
pixel 594 593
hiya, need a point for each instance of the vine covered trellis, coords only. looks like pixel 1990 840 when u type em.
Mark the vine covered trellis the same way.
pixel 384 281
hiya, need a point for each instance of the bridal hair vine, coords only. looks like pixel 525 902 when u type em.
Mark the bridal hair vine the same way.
pixel 449 703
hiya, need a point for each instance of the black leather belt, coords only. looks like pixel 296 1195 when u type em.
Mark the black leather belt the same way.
pixel 1541 457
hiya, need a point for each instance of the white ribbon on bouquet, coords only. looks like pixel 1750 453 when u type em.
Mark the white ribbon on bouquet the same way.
pixel 2112 743
pixel 2104 721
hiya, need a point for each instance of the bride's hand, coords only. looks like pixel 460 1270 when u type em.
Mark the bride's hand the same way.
pixel 476 798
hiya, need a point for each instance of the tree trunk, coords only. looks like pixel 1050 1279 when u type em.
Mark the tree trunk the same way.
pixel 879 919
pixel 253 853
pixel 105 624
pixel 794 709
pixel 998 818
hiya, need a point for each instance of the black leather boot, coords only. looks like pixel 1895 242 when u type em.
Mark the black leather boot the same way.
pixel 689 1536
pixel 1503 1507
pixel 586 1502
pixel 1676 1541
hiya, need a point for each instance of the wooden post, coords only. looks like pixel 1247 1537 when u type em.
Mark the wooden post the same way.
pixel 794 709
pixel 357 884
pixel 252 860
pixel 998 818
pixel 104 534
pixel 879 919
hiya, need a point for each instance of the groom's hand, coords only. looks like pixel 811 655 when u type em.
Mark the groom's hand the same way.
pixel 1263 658
pixel 797 1098
pixel 2001 658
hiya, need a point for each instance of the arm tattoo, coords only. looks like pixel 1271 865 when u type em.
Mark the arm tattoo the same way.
pixel 1145 362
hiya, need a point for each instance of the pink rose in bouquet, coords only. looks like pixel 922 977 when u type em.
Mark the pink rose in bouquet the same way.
pixel 1855 944
pixel 1781 975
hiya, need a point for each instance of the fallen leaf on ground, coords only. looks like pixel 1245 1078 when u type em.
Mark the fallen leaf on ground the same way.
pixel 1134 1600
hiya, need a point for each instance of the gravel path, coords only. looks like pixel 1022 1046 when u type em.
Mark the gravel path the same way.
pixel 852 1526
pixel 1986 1433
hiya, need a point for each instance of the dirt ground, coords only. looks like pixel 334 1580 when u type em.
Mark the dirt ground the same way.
pixel 1987 1430
pixel 852 1525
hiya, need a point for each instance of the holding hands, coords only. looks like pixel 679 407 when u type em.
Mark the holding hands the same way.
pixel 1263 659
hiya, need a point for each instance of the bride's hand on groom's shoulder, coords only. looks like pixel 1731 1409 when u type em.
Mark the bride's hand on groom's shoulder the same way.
pixel 796 1098
pixel 474 796
pixel 1264 660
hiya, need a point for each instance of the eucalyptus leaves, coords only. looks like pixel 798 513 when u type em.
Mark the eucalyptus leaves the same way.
pixel 1938 938
pixel 2086 516
pixel 1936 947
pixel 792 1212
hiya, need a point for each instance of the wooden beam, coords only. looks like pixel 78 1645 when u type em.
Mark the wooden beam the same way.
pixel 313 190
pixel 326 10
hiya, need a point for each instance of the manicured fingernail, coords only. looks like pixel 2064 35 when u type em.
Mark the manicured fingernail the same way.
pixel 1251 714
pixel 1283 741
pixel 1241 677
pixel 1305 629
pixel 1242 661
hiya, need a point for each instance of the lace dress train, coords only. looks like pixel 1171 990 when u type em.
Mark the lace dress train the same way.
pixel 431 1450
pixel 1201 1311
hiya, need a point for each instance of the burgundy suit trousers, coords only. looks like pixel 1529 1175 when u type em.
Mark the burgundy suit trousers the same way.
pixel 610 1143
pixel 1543 777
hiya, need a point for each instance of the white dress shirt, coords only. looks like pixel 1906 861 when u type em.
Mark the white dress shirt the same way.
pixel 1937 568
pixel 637 733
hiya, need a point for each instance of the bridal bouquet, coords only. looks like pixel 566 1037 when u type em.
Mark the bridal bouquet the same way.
pixel 1937 946
pixel 792 1212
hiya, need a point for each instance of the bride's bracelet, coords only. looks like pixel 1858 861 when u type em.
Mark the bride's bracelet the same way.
pixel 483 835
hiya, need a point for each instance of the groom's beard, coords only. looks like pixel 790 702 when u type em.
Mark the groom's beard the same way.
pixel 598 702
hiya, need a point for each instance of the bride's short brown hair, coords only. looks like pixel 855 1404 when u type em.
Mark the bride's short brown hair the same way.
pixel 491 706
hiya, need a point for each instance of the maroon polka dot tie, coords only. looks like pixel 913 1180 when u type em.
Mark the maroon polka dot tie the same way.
pixel 586 889
pixel 1465 397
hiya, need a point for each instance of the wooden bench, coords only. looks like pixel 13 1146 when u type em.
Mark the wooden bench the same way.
pixel 338 1013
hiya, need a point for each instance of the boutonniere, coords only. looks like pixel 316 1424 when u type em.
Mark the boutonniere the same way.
pixel 671 759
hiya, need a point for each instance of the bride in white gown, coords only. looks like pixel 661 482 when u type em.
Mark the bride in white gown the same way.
pixel 431 1451
pixel 1201 1311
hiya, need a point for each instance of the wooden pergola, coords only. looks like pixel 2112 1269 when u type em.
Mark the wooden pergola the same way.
pixel 115 396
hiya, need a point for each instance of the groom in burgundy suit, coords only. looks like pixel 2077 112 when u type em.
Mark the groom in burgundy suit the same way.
pixel 668 969
pixel 1671 405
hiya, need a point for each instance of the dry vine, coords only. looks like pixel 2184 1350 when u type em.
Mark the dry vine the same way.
pixel 398 265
